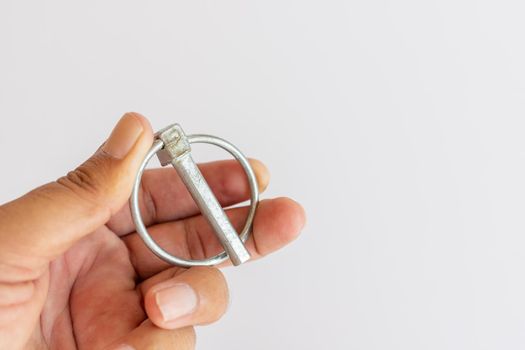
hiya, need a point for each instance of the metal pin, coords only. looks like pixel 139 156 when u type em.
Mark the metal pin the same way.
pixel 177 152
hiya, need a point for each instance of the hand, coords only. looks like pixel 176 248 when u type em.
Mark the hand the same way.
pixel 73 274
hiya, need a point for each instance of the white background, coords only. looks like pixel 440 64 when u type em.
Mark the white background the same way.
pixel 398 124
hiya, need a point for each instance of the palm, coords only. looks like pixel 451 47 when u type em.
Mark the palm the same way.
pixel 92 297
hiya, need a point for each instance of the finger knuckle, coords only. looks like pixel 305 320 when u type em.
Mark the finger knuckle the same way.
pixel 87 181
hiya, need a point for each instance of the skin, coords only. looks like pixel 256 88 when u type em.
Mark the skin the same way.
pixel 75 275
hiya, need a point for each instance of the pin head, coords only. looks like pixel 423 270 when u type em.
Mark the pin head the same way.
pixel 175 144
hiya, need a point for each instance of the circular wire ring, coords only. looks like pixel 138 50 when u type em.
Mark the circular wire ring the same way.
pixel 137 217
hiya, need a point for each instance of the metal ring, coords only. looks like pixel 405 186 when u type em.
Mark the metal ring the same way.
pixel 137 217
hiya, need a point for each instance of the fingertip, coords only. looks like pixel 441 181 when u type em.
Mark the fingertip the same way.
pixel 278 223
pixel 152 310
pixel 301 215
pixel 261 173
pixel 141 147
pixel 196 296
pixel 170 303
pixel 290 216
pixel 147 133
pixel 141 118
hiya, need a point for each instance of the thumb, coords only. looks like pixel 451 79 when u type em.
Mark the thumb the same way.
pixel 44 223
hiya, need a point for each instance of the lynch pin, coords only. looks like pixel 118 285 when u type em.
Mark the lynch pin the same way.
pixel 172 146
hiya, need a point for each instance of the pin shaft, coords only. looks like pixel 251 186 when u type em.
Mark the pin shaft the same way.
pixel 210 208
pixel 177 151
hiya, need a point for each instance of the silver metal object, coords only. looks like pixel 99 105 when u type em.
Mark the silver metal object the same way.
pixel 172 146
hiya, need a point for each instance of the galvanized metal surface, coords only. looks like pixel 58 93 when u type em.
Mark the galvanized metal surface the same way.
pixel 172 146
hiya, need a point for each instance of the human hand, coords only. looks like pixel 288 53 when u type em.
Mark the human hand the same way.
pixel 74 274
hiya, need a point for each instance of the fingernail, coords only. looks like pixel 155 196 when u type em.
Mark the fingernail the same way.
pixel 124 136
pixel 176 301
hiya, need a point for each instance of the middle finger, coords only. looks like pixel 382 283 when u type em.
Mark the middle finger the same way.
pixel 163 197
